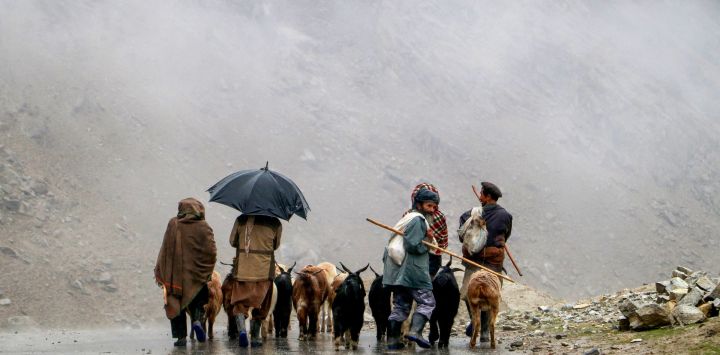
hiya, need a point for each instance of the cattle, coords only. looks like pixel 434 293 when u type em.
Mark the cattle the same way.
pixel 349 309
pixel 336 282
pixel 212 308
pixel 380 306
pixel 447 300
pixel 326 322
pixel 283 306
pixel 309 293
pixel 483 294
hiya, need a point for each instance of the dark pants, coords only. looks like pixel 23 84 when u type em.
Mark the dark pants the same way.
pixel 435 262
pixel 178 325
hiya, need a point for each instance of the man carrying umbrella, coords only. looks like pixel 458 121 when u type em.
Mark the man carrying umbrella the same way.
pixel 256 238
pixel 184 266
pixel 264 197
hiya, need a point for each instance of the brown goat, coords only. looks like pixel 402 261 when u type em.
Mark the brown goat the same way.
pixel 326 311
pixel 483 294
pixel 212 308
pixel 309 293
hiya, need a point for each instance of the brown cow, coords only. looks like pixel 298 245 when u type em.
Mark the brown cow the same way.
pixel 483 294
pixel 326 322
pixel 309 293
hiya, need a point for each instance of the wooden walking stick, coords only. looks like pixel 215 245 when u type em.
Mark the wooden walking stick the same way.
pixel 442 250
pixel 507 251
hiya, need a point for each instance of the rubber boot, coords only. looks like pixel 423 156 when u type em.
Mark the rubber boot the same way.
pixel 255 338
pixel 180 342
pixel 468 327
pixel 242 332
pixel 416 328
pixel 199 331
pixel 484 327
pixel 393 335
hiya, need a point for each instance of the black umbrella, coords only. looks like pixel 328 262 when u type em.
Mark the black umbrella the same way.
pixel 260 192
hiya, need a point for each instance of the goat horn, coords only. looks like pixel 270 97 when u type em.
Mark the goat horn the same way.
pixel 363 269
pixel 345 268
pixel 374 272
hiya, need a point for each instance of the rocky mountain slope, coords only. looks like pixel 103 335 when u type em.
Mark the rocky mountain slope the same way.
pixel 598 122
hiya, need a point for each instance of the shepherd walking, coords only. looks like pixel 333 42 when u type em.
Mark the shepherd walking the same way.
pixel 408 276
pixel 184 266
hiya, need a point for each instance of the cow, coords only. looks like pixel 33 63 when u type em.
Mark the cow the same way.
pixel 283 306
pixel 336 282
pixel 380 306
pixel 447 300
pixel 326 322
pixel 349 309
pixel 483 294
pixel 309 293
pixel 212 308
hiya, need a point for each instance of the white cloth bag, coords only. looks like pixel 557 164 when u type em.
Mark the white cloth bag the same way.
pixel 396 245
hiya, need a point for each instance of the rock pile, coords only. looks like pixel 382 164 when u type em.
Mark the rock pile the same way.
pixel 688 297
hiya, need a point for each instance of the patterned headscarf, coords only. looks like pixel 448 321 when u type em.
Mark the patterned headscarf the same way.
pixel 437 222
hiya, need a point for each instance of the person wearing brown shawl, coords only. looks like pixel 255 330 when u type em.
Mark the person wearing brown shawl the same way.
pixel 255 238
pixel 184 266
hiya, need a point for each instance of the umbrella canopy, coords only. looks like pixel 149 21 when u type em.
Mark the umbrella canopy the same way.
pixel 260 192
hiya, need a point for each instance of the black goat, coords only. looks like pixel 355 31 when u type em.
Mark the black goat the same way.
pixel 447 300
pixel 283 306
pixel 349 309
pixel 379 300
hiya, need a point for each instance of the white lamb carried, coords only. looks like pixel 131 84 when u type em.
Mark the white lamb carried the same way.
pixel 473 232
pixel 396 246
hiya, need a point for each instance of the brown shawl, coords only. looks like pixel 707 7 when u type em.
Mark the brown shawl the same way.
pixel 187 256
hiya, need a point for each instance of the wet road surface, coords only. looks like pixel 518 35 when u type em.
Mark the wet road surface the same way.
pixel 157 340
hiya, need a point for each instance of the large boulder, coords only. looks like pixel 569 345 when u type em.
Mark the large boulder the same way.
pixel 685 314
pixel 705 283
pixel 662 287
pixel 715 294
pixel 692 298
pixel 627 307
pixel 649 316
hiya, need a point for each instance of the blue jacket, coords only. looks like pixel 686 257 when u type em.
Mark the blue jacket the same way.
pixel 415 269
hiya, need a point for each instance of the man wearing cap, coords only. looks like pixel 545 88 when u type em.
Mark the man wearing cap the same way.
pixel 410 279
pixel 499 226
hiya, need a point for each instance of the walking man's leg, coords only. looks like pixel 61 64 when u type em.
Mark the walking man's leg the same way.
pixel 425 305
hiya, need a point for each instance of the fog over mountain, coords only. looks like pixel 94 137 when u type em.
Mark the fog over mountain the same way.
pixel 598 120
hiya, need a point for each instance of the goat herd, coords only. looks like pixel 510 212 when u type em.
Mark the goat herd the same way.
pixel 326 300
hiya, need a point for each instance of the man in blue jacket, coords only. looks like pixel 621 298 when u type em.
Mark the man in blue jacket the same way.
pixel 411 280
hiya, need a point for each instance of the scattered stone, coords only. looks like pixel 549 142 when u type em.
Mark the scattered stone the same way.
pixel 77 284
pixel 628 307
pixel 517 344
pixel 545 309
pixel 692 298
pixel 564 344
pixel 11 205
pixel 685 314
pixel 535 320
pixel 716 303
pixel 662 287
pixel 105 278
pixel 623 324
pixel 715 294
pixel 110 288
pixel 638 340
pixel 678 283
pixel 678 294
pixel 679 274
pixel 39 188
pixel 649 316
pixel 5 302
pixel 582 306
pixel 684 270
pixel 560 336
pixel 593 351
pixel 706 308
pixel 538 333
pixel 9 252
pixel 511 327
pixel 705 283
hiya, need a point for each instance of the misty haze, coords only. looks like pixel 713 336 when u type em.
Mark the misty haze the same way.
pixel 598 120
